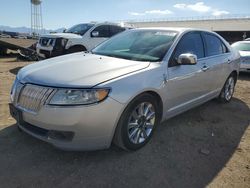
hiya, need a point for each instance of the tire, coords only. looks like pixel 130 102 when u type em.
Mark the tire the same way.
pixel 227 90
pixel 75 49
pixel 134 130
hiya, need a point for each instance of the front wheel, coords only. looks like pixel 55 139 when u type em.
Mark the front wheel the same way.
pixel 228 89
pixel 137 123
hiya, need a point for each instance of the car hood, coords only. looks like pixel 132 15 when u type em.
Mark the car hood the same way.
pixel 62 35
pixel 244 53
pixel 78 70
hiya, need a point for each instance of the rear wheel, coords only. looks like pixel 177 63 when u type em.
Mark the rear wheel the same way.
pixel 228 89
pixel 137 123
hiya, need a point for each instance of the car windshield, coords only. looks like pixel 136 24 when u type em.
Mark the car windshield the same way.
pixel 241 46
pixel 80 29
pixel 138 45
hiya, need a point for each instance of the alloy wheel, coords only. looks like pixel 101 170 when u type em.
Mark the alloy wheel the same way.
pixel 141 123
pixel 229 88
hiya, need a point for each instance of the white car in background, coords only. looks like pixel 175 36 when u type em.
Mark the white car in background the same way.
pixel 244 49
pixel 21 37
pixel 4 36
pixel 81 37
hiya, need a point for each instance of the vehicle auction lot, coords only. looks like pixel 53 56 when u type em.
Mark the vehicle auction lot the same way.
pixel 206 146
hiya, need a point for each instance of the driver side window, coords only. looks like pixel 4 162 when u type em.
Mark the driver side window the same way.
pixel 189 43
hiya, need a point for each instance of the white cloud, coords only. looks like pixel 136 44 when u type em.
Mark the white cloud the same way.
pixel 219 12
pixel 155 12
pixel 201 7
pixel 136 14
pixel 198 7
pixel 158 12
pixel 180 6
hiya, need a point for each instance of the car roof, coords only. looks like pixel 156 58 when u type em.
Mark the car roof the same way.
pixel 99 23
pixel 179 29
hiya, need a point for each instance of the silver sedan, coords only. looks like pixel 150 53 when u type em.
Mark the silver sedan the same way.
pixel 120 91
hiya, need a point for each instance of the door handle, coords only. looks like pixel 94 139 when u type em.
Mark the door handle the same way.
pixel 229 61
pixel 204 68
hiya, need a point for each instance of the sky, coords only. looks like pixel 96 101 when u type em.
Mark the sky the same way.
pixel 65 13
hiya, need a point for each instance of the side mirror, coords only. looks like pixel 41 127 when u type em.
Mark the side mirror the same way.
pixel 95 34
pixel 187 59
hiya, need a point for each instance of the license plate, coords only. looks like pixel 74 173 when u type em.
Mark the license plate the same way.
pixel 16 114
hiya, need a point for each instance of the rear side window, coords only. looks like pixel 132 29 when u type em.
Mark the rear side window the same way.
pixel 103 31
pixel 115 29
pixel 214 45
pixel 190 43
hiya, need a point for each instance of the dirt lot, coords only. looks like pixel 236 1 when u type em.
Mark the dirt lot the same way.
pixel 207 146
pixel 20 42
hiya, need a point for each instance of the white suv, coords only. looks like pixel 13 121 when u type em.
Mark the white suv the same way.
pixel 81 37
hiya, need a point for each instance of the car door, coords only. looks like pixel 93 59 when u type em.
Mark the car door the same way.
pixel 98 35
pixel 217 59
pixel 186 84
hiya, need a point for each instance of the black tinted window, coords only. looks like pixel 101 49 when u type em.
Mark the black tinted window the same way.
pixel 214 45
pixel 115 30
pixel 190 43
pixel 103 31
pixel 80 29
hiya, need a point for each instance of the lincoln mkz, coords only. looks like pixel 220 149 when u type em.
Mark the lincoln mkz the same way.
pixel 121 90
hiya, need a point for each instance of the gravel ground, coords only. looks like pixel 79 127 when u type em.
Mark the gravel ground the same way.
pixel 208 146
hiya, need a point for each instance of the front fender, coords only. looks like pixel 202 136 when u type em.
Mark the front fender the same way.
pixel 126 88
pixel 73 42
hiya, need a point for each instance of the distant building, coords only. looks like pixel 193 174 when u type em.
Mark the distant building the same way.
pixel 232 28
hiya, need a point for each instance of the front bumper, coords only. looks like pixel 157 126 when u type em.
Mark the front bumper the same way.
pixel 49 51
pixel 92 126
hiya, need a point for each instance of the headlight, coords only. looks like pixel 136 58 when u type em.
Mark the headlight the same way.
pixel 64 42
pixel 78 96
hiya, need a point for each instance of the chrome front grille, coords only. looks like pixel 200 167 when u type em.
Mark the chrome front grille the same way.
pixel 47 41
pixel 33 97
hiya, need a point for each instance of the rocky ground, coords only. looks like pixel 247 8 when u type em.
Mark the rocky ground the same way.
pixel 206 146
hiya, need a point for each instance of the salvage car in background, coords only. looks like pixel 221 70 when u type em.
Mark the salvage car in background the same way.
pixel 244 49
pixel 81 37
pixel 5 36
pixel 124 88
